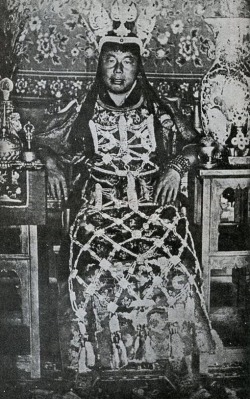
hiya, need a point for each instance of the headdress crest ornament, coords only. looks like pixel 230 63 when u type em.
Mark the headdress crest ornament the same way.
pixel 123 23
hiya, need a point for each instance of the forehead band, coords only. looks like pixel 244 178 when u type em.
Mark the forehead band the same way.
pixel 121 40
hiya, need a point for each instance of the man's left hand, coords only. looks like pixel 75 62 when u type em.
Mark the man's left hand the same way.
pixel 167 187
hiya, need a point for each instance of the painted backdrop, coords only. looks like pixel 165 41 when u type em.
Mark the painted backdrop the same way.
pixel 56 55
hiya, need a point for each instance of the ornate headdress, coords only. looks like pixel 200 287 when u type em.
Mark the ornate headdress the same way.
pixel 123 24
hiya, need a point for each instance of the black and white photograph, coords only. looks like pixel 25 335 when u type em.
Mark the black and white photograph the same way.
pixel 124 199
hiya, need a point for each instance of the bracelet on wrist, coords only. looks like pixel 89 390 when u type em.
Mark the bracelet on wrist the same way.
pixel 180 164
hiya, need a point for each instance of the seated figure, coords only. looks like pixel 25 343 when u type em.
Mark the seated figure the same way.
pixel 134 277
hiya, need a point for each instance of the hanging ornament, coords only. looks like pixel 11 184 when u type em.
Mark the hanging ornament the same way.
pixel 90 355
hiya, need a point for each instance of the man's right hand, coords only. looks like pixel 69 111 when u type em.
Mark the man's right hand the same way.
pixel 57 185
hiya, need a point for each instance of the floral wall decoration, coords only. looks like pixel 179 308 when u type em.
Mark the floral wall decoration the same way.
pixel 58 36
pixel 14 18
pixel 56 49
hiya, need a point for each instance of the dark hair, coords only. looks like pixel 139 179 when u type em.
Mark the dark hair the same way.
pixel 87 110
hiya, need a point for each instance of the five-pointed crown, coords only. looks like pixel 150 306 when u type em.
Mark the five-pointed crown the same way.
pixel 123 19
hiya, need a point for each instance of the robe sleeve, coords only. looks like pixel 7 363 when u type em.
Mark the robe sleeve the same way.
pixel 54 137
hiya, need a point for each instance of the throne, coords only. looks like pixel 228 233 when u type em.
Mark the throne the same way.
pixel 22 177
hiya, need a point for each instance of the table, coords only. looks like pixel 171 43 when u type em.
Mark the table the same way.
pixel 222 209
pixel 20 261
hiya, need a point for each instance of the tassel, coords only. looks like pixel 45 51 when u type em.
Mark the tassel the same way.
pixel 114 324
pixel 90 356
pixel 150 123
pixel 82 361
pixel 189 309
pixel 98 196
pixel 93 130
pixel 115 357
pixel 150 355
pixel 123 133
pixel 82 328
pixel 131 193
pixel 140 354
pixel 123 353
pixel 140 344
pixel 137 344
pixel 219 347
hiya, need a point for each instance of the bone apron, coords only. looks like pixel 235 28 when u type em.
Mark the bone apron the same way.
pixel 135 281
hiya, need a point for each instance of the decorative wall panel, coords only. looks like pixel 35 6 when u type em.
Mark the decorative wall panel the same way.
pixel 55 48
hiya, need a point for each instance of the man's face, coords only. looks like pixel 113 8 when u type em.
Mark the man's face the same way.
pixel 119 70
